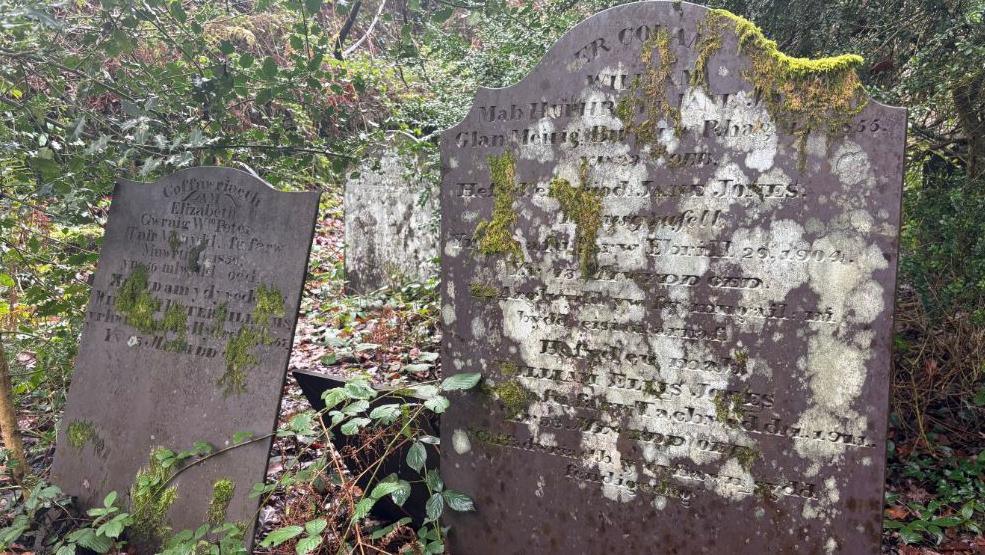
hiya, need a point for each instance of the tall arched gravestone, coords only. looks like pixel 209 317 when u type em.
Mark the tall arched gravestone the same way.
pixel 671 251
pixel 186 340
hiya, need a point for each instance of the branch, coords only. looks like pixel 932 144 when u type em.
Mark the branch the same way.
pixel 369 31
pixel 346 28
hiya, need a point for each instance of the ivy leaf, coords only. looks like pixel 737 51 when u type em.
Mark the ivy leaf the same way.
pixel 417 456
pixel 281 535
pixel 246 60
pixel 435 506
pixel 269 68
pixel 457 500
pixel 465 380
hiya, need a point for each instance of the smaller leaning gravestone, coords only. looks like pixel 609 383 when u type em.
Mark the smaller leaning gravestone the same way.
pixel 671 251
pixel 391 227
pixel 186 339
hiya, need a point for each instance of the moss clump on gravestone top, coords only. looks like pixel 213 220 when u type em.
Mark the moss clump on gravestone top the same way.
pixel 583 206
pixel 150 499
pixel 495 236
pixel 802 95
pixel 240 347
pixel 222 494
pixel 135 303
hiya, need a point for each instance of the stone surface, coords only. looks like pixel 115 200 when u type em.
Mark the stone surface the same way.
pixel 391 227
pixel 187 336
pixel 684 333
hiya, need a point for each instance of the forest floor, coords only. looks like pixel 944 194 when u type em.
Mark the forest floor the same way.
pixel 393 336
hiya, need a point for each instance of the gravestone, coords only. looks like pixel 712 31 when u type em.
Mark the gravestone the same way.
pixel 391 228
pixel 671 252
pixel 186 339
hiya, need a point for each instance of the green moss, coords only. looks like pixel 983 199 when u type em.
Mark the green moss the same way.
pixel 742 363
pixel 80 433
pixel 269 304
pixel 494 236
pixel 481 290
pixel 239 356
pixel 514 397
pixel 222 494
pixel 584 207
pixel 746 456
pixel 176 321
pixel 728 406
pixel 150 501
pixel 802 95
pixel 219 319
pixel 135 303
pixel 648 94
pixel 174 242
pixel 508 368
pixel 240 352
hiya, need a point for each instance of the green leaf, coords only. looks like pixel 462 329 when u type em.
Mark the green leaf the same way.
pixel 464 380
pixel 246 60
pixel 269 68
pixel 437 404
pixel 442 15
pixel 240 437
pixel 457 500
pixel 351 427
pixel 433 480
pixel 333 397
pixel 308 544
pixel 386 413
pixel 359 389
pixel 417 456
pixel 363 507
pixel 380 532
pixel 87 538
pixel 910 536
pixel 315 527
pixel 434 506
pixel 312 6
pixel 281 535
pixel 6 280
pixel 400 496
pixel 110 499
pixel 980 397
pixel 384 488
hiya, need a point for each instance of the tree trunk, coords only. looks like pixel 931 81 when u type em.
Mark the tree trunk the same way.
pixel 8 418
pixel 969 101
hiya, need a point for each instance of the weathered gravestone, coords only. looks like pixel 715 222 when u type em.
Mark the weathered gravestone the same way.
pixel 671 251
pixel 391 230
pixel 186 340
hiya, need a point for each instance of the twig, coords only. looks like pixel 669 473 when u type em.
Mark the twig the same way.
pixel 369 31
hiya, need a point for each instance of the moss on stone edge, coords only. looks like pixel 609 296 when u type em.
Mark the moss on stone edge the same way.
pixel 584 207
pixel 135 303
pixel 802 95
pixel 149 503
pixel 728 407
pixel 481 290
pixel 648 93
pixel 222 494
pixel 80 433
pixel 240 347
pixel 219 319
pixel 514 397
pixel 494 236
pixel 508 368
pixel 746 456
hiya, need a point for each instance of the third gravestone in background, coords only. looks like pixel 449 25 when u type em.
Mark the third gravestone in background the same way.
pixel 186 340
pixel 673 258
pixel 391 232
